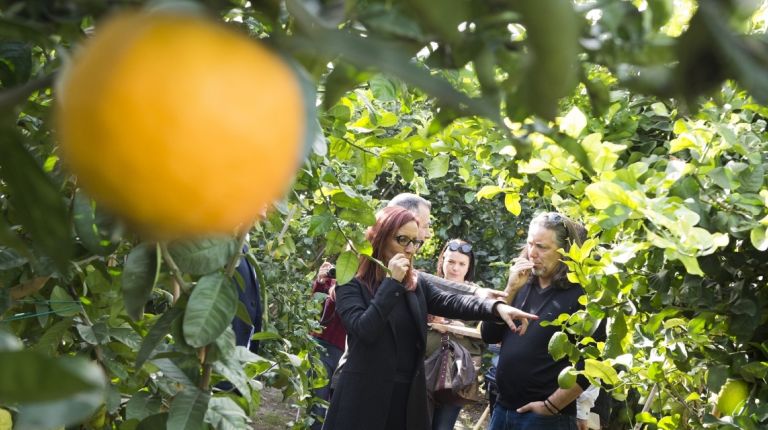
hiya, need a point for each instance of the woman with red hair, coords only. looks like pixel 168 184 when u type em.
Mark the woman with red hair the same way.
pixel 384 309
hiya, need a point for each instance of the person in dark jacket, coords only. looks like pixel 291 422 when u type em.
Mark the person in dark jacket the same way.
pixel 382 386
pixel 526 375
pixel 249 295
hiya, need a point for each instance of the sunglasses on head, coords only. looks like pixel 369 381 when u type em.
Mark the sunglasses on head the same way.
pixel 464 248
pixel 404 241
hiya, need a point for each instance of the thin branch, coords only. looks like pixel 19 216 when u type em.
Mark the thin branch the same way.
pixel 13 96
pixel 354 145
pixel 288 218
pixel 648 402
pixel 205 380
pixel 336 220
pixel 230 271
pixel 174 268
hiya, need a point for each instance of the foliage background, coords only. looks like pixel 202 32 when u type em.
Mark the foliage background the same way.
pixel 644 119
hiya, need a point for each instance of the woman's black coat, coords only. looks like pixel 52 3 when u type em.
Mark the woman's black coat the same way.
pixel 362 396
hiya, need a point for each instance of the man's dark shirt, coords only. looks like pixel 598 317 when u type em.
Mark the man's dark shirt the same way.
pixel 526 372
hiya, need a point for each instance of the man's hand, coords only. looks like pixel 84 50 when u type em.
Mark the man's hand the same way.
pixel 519 273
pixel 487 293
pixel 582 424
pixel 536 407
pixel 509 314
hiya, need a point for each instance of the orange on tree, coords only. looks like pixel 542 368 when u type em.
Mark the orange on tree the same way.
pixel 179 124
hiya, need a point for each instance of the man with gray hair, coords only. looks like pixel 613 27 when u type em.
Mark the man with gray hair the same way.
pixel 421 207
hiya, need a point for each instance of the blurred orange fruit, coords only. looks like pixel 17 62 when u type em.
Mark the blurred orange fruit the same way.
pixel 179 124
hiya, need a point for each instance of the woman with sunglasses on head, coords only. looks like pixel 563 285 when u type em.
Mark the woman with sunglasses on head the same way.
pixel 456 263
pixel 384 309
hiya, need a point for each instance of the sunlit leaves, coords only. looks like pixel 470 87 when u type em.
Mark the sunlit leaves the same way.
pixel 602 370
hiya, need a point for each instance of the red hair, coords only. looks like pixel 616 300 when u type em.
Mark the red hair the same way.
pixel 388 221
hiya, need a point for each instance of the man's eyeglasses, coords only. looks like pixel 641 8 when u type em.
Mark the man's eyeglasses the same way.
pixel 404 241
pixel 464 248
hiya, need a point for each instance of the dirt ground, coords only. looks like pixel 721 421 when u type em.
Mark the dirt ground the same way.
pixel 274 414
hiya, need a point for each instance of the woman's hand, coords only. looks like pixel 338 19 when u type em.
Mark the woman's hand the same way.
pixel 511 314
pixel 398 266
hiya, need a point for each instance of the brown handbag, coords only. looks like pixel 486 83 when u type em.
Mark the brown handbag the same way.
pixel 451 375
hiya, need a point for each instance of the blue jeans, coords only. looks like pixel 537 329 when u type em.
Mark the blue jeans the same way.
pixel 509 419
pixel 445 416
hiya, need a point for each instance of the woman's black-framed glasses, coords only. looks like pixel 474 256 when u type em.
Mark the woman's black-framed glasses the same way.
pixel 464 248
pixel 404 241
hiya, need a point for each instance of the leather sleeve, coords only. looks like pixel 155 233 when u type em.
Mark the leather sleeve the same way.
pixel 456 306
pixel 367 322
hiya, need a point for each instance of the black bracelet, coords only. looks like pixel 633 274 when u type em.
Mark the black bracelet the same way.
pixel 552 404
pixel 548 408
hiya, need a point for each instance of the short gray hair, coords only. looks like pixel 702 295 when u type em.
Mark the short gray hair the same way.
pixel 409 201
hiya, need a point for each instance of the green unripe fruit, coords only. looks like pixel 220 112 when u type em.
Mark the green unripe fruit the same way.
pixel 732 396
pixel 567 378
pixel 6 421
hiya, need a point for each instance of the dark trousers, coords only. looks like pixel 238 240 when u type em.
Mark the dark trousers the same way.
pixel 329 356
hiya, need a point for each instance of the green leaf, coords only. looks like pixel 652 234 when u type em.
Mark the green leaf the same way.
pixel 157 334
pixel 601 369
pixel 346 267
pixel 437 167
pixel 202 256
pixel 488 192
pixel 603 194
pixel 320 224
pixel 35 198
pixel 153 422
pixel 16 67
pixel 142 268
pixel 406 168
pixel 579 153
pixel 69 409
pixel 63 304
pixel 265 335
pixel 233 372
pixel 383 89
pixel 188 410
pixel 552 68
pixel 172 370
pixel 343 78
pixel 28 376
pixel 387 57
pixel 512 203
pixel 141 405
pixel 93 227
pixel 759 238
pixel 51 338
pixel 573 123
pixel 210 309
pixel 617 333
pixel 224 414
pixel 365 217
